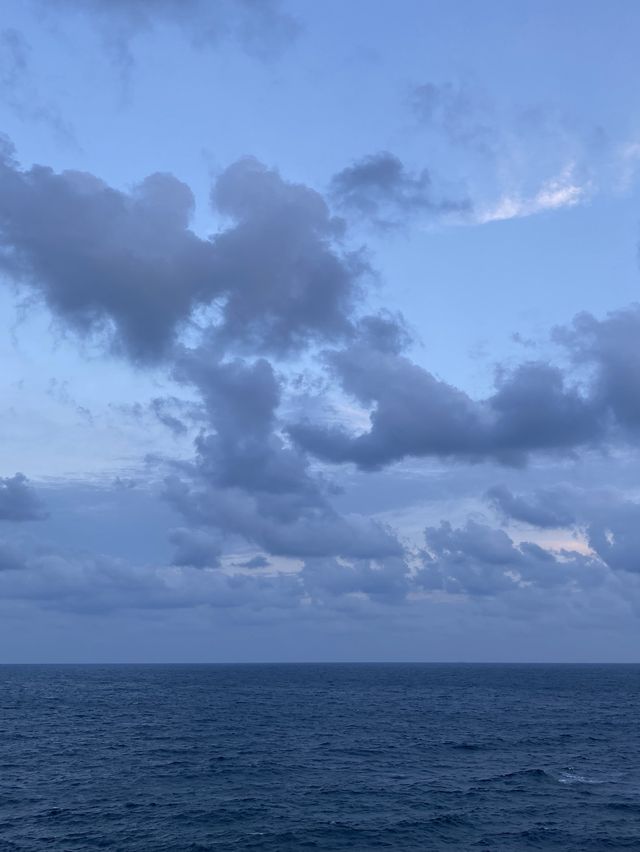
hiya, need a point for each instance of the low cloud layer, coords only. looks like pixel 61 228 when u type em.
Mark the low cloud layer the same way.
pixel 478 560
pixel 544 509
pixel 607 520
pixel 19 501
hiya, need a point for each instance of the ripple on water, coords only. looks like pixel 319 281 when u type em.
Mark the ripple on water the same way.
pixel 319 757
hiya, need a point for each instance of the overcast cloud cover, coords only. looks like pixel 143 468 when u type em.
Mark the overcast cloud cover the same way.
pixel 321 332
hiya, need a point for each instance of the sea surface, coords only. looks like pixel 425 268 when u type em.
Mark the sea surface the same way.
pixel 288 757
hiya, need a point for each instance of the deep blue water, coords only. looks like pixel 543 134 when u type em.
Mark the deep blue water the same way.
pixel 287 757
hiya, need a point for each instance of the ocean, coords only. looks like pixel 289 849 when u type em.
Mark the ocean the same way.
pixel 335 756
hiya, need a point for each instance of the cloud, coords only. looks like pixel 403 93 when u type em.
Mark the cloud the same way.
pixel 613 532
pixel 479 561
pixel 14 54
pixel 546 508
pixel 128 266
pixel 517 161
pixel 534 408
pixel 472 560
pixel 380 189
pixel 463 115
pixel 609 348
pixel 607 519
pixel 274 282
pixel 385 582
pixel 105 260
pixel 554 194
pixel 95 583
pixel 19 500
pixel 260 27
pixel 197 548
pixel 254 562
pixel 17 91
pixel 162 408
pixel 285 525
pixel 287 285
pixel 99 584
pixel 246 481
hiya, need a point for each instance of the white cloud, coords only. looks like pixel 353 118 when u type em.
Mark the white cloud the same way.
pixel 554 194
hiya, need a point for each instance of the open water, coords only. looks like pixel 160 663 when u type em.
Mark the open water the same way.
pixel 295 757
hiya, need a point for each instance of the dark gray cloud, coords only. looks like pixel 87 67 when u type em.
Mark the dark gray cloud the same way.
pixel 127 264
pixel 166 409
pixel 98 584
pixel 261 27
pixel 104 259
pixel 534 408
pixel 478 560
pixel 613 532
pixel 607 519
pixel 384 332
pixel 283 525
pixel 286 283
pixel 609 347
pixel 380 188
pixel 545 508
pixel 19 500
pixel 473 560
pixel 246 481
pixel 80 582
pixel 242 450
pixel 195 547
pixel 384 581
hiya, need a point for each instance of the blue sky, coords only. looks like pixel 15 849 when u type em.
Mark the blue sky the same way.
pixel 353 374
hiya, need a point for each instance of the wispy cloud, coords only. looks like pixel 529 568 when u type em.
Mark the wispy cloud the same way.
pixel 557 193
pixel 627 162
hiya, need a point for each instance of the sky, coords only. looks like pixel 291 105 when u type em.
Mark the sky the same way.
pixel 320 331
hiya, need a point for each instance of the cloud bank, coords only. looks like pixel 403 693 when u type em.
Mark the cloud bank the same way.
pixel 229 318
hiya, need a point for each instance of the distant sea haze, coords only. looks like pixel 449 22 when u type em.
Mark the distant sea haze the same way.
pixel 336 756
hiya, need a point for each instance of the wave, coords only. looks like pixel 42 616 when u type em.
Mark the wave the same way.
pixel 517 775
pixel 575 778
pixel 570 776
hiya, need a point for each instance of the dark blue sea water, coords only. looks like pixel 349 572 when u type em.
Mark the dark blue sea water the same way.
pixel 288 757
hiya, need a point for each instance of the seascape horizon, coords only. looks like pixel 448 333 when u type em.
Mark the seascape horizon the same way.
pixel 319 425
